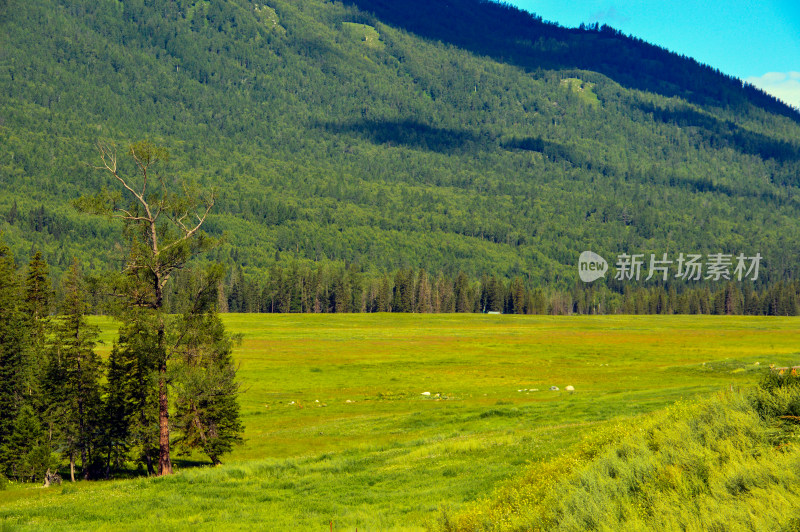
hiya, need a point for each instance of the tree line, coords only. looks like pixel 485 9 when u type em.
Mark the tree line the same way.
pixel 323 288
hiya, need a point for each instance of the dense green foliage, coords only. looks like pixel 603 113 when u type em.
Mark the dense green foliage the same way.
pixel 206 390
pixel 503 32
pixel 132 402
pixel 59 401
pixel 726 463
pixel 24 440
pixel 73 402
pixel 162 218
pixel 450 136
pixel 13 347
pixel 303 288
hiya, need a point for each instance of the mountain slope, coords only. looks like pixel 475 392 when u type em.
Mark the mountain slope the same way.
pixel 368 132
pixel 513 36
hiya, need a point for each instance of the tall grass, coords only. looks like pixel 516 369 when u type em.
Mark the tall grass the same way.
pixel 724 463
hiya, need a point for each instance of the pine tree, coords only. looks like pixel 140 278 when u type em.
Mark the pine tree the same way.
pixel 36 305
pixel 13 343
pixel 462 293
pixel 204 376
pixel 423 293
pixel 131 398
pixel 384 298
pixel 80 368
pixel 28 449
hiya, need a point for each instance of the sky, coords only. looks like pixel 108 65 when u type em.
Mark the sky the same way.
pixel 757 41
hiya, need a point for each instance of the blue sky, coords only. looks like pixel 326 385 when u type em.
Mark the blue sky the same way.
pixel 755 41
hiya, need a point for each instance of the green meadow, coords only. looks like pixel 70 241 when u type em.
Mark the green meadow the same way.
pixel 338 429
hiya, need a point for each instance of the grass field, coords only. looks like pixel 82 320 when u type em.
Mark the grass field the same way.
pixel 337 428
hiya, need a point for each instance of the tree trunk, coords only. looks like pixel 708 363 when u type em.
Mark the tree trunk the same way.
pixel 107 473
pixel 81 427
pixel 72 467
pixel 164 462
pixel 84 463
pixel 151 471
pixel 82 431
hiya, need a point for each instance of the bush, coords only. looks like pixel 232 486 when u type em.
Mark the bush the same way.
pixel 777 402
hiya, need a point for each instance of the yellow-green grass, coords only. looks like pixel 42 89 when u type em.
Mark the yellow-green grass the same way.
pixel 726 462
pixel 391 458
pixel 364 33
pixel 584 90
pixel 618 365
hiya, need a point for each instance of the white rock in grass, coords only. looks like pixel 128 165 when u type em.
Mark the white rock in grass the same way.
pixel 425 393
pixel 569 389
pixel 554 388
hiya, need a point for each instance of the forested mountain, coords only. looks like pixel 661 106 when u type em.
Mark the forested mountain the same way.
pixel 453 136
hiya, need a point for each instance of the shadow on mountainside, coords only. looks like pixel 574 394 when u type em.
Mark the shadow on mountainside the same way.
pixel 516 37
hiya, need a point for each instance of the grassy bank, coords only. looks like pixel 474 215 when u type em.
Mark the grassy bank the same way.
pixel 724 463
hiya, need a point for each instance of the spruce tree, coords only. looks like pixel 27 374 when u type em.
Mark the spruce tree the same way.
pixel 131 399
pixel 462 293
pixel 384 295
pixel 423 293
pixel 13 344
pixel 28 457
pixel 517 296
pixel 25 449
pixel 204 377
pixel 38 289
pixel 80 370
pixel 36 305
pixel 117 411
